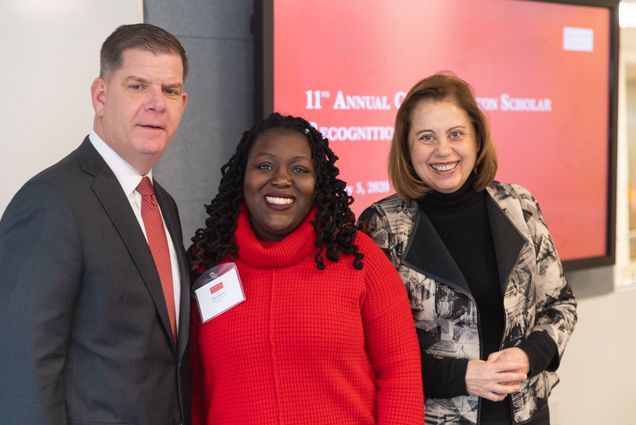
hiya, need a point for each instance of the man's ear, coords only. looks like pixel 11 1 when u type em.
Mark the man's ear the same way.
pixel 98 95
pixel 185 100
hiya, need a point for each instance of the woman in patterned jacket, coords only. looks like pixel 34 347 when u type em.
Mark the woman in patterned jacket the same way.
pixel 491 305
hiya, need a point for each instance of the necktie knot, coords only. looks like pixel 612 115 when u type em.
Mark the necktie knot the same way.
pixel 145 187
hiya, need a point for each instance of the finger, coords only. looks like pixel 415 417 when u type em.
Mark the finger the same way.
pixel 506 366
pixel 511 377
pixel 493 357
pixel 520 370
pixel 502 386
pixel 506 388
pixel 492 396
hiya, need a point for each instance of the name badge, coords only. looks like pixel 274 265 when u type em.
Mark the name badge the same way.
pixel 217 290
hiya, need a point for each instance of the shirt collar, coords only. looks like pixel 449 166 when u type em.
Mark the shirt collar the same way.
pixel 127 176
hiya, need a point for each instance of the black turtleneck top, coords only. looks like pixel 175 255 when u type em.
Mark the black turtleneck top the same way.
pixel 461 220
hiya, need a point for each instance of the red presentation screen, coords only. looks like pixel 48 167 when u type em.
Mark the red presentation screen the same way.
pixel 543 72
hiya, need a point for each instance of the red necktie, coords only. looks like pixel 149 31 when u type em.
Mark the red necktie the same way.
pixel 158 244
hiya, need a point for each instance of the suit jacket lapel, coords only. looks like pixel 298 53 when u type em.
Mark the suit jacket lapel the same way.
pixel 427 254
pixel 173 224
pixel 110 194
pixel 507 239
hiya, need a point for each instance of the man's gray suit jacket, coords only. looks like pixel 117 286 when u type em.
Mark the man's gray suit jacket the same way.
pixel 84 331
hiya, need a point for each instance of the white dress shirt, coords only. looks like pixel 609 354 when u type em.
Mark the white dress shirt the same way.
pixel 129 179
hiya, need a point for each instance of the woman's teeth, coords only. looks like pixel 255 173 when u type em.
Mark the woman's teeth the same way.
pixel 278 201
pixel 444 167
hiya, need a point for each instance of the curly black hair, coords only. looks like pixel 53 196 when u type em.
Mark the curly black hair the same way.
pixel 334 224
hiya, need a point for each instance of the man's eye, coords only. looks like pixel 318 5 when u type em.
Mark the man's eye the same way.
pixel 172 91
pixel 136 86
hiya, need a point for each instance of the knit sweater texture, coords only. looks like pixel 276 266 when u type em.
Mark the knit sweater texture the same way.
pixel 308 346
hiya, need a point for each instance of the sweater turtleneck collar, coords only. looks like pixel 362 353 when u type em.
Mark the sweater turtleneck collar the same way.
pixel 295 247
pixel 457 200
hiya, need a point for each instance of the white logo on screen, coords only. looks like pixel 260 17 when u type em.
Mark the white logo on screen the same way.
pixel 578 39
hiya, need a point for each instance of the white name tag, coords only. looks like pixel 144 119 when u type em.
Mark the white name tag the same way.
pixel 218 290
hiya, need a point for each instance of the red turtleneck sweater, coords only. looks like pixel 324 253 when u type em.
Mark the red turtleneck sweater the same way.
pixel 308 346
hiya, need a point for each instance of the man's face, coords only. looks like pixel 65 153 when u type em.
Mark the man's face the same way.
pixel 138 107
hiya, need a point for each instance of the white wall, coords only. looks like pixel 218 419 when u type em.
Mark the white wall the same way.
pixel 598 370
pixel 50 56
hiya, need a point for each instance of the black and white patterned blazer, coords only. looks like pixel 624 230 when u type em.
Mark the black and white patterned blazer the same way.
pixel 536 294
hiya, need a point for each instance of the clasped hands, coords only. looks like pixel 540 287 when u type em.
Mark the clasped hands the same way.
pixel 499 375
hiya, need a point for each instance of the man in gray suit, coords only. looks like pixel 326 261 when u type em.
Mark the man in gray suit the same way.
pixel 94 288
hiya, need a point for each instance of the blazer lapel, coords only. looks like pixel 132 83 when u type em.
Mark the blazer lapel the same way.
pixel 427 254
pixel 173 224
pixel 110 194
pixel 507 239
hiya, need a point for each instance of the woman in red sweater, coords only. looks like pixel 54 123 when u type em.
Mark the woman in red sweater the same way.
pixel 325 334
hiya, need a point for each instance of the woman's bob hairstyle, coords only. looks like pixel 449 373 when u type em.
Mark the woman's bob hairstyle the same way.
pixel 437 88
